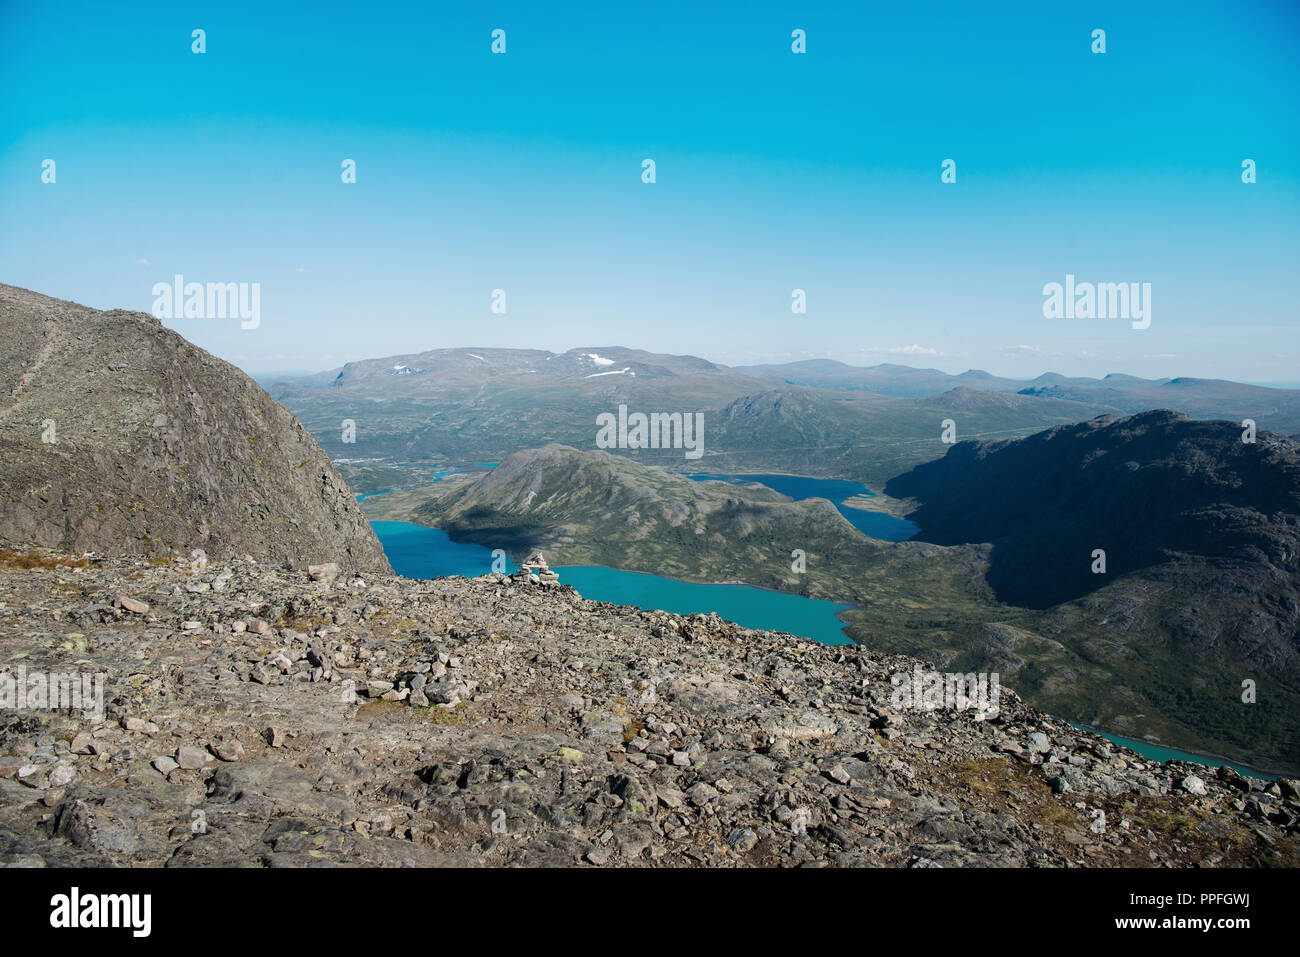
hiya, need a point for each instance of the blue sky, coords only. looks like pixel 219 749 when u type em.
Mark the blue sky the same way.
pixel 775 171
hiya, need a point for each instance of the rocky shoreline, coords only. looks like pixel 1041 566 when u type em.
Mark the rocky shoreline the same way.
pixel 256 716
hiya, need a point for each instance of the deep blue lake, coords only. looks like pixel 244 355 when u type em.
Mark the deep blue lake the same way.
pixel 799 487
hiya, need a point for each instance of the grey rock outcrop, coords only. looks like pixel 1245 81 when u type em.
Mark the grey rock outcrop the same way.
pixel 117 436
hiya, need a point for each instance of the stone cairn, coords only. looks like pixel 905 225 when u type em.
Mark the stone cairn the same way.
pixel 536 571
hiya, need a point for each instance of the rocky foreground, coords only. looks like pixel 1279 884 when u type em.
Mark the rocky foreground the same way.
pixel 257 717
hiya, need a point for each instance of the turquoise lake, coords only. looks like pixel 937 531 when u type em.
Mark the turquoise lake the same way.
pixel 743 604
pixel 433 477
pixel 1157 752
pixel 419 552
pixel 799 487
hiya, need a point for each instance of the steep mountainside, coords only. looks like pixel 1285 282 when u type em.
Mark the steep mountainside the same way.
pixel 1201 588
pixel 119 437
pixel 1145 489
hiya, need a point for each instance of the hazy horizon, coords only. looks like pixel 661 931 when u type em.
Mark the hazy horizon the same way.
pixel 271 373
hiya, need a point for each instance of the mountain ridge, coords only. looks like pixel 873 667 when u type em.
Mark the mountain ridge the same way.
pixel 1274 408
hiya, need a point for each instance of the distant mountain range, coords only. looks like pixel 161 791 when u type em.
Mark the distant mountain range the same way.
pixel 483 404
pixel 819 418
pixel 886 378
pixel 1275 409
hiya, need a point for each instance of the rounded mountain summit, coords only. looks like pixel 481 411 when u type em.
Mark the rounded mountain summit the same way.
pixel 117 436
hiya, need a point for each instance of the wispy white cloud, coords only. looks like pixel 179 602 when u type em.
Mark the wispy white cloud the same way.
pixel 1023 351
